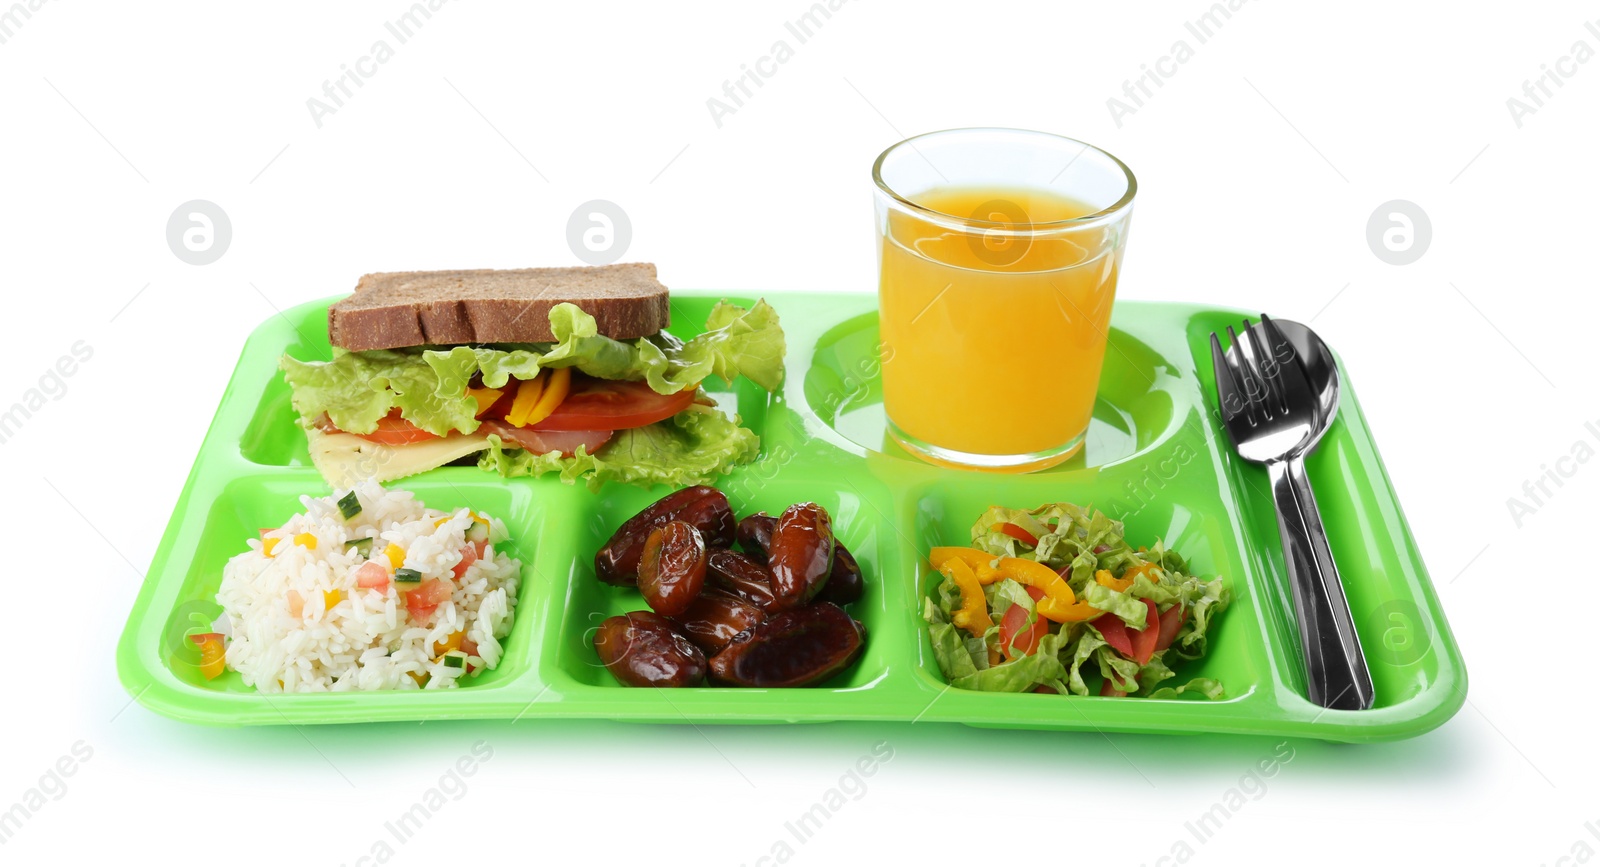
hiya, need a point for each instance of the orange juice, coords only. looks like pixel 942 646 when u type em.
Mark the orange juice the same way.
pixel 994 332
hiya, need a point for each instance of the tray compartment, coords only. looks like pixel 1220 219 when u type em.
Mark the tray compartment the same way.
pixel 944 512
pixel 250 502
pixel 859 513
pixel 1384 577
pixel 1137 407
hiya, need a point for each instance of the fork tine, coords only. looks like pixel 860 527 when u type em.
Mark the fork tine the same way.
pixel 1244 367
pixel 1268 367
pixel 1282 350
pixel 1227 384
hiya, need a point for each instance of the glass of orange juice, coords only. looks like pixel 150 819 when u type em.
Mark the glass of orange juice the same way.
pixel 998 256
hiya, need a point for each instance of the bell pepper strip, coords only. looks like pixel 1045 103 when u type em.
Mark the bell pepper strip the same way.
pixel 973 615
pixel 1104 579
pixel 528 394
pixel 307 541
pixel 395 554
pixel 268 544
pixel 1017 533
pixel 555 391
pixel 980 562
pixel 1030 573
pixel 1140 568
pixel 331 598
pixel 486 398
pixel 1052 609
pixel 211 653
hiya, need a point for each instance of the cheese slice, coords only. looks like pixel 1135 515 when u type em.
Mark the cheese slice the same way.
pixel 345 459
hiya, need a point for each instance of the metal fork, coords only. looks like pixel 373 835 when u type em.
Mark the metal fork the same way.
pixel 1273 416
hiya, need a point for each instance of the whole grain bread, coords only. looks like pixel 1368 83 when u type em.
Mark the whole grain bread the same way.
pixel 417 308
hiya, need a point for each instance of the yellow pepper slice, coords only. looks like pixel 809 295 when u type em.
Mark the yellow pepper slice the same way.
pixel 212 655
pixel 268 544
pixel 1051 609
pixel 1104 579
pixel 1141 568
pixel 528 392
pixel 555 391
pixel 307 541
pixel 396 555
pixel 450 642
pixel 1034 574
pixel 331 598
pixel 973 615
pixel 980 562
pixel 485 397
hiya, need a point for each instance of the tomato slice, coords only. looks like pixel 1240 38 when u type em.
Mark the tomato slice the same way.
pixel 594 404
pixel 1144 640
pixel 1034 592
pixel 1018 533
pixel 392 430
pixel 542 441
pixel 1171 622
pixel 1115 632
pixel 1015 619
pixel 1017 638
pixel 1108 688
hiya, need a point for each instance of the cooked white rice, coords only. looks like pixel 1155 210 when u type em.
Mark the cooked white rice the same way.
pixel 368 639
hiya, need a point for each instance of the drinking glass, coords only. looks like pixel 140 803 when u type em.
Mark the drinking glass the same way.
pixel 998 257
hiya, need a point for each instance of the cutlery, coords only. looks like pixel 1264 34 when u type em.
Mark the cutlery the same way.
pixel 1278 397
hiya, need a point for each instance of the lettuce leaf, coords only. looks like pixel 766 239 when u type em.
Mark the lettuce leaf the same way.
pixel 1021 674
pixel 428 386
pixel 1003 594
pixel 691 448
pixel 356 389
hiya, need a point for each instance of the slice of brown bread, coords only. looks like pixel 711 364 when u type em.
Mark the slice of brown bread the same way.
pixel 417 308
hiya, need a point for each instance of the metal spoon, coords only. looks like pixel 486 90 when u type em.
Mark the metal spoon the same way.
pixel 1273 415
pixel 1322 374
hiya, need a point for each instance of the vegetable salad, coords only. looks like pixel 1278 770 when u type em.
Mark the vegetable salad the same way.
pixel 1053 598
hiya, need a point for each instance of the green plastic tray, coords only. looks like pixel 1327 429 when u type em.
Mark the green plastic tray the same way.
pixel 1155 457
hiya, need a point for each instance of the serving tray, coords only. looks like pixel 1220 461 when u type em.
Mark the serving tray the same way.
pixel 1155 458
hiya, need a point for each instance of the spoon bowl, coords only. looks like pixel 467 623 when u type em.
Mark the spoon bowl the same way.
pixel 1322 374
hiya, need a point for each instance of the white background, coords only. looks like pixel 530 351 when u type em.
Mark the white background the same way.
pixel 1259 163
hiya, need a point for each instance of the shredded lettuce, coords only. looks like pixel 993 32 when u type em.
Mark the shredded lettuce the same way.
pixel 428 386
pixel 1078 543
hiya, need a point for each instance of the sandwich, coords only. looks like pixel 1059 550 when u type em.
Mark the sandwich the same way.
pixel 528 372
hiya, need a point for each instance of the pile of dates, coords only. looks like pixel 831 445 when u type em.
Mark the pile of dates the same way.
pixel 768 615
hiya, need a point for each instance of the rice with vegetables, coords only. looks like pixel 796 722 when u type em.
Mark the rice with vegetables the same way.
pixel 368 589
